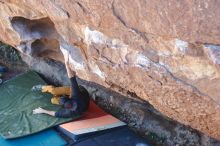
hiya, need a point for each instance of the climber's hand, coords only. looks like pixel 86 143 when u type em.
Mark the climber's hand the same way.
pixel 39 110
pixel 70 72
pixel 65 54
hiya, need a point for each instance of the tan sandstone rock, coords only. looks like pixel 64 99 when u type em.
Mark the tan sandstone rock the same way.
pixel 164 51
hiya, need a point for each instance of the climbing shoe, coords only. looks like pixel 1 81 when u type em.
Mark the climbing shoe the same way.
pixel 55 100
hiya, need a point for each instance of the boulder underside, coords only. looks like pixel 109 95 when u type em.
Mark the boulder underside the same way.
pixel 165 52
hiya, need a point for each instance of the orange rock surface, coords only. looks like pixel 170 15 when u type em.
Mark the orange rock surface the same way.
pixel 164 51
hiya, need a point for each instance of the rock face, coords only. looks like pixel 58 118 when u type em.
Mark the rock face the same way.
pixel 165 52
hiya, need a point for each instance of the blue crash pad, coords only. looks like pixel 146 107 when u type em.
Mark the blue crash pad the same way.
pixel 119 137
pixel 3 69
pixel 44 138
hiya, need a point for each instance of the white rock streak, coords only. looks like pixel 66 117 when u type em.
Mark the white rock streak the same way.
pixel 76 65
pixel 93 36
pixel 96 37
pixel 142 61
pixel 214 53
pixel 181 45
pixel 95 69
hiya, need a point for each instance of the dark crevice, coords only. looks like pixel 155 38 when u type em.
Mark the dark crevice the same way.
pixel 108 60
pixel 34 29
pixel 115 13
pixel 178 80
pixel 82 7
pixel 39 36
pixel 45 46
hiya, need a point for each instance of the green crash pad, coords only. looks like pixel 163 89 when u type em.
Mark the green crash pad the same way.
pixel 17 102
pixel 44 138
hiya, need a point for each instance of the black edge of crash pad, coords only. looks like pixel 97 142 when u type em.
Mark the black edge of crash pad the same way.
pixel 119 137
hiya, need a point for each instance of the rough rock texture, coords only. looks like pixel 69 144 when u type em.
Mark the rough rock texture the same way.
pixel 163 51
pixel 138 114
